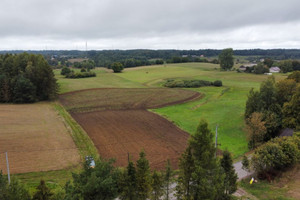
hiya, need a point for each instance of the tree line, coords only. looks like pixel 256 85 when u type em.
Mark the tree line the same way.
pixel 273 107
pixel 201 175
pixel 270 110
pixel 26 78
pixel 106 57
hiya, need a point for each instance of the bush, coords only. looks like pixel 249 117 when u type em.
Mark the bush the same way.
pixel 190 83
pixel 276 154
pixel 218 83
pixel 65 71
pixel 81 74
pixel 117 67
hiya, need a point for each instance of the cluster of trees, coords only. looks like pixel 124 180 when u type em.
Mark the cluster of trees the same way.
pixel 201 175
pixel 26 78
pixel 171 83
pixel 276 155
pixel 73 74
pixel 86 64
pixel 273 107
pixel 264 67
pixel 84 73
pixel 186 59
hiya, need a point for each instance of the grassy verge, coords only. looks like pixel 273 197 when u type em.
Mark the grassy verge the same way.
pixel 55 180
pixel 285 187
pixel 81 139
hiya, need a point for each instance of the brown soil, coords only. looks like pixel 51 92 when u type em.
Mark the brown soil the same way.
pixel 35 138
pixel 119 132
pixel 125 98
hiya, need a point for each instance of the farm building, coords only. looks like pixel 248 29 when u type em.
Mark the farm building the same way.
pixel 286 132
pixel 242 68
pixel 274 70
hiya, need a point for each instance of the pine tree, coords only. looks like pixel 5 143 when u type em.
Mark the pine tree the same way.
pixel 207 175
pixel 128 183
pixel 167 179
pixel 230 181
pixel 157 185
pixel 43 192
pixel 143 177
pixel 186 167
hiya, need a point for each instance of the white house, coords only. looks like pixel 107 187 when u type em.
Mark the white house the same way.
pixel 274 69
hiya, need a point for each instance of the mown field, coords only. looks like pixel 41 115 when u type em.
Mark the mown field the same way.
pixel 36 139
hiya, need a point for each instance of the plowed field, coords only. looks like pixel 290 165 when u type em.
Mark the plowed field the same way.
pixel 35 138
pixel 124 98
pixel 117 133
pixel 118 123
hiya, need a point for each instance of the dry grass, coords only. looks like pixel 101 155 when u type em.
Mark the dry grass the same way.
pixel 35 138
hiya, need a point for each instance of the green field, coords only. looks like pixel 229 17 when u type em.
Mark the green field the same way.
pixel 102 80
pixel 222 106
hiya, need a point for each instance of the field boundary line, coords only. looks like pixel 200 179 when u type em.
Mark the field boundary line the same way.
pixel 82 141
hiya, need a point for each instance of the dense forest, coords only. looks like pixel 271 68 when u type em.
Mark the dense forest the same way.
pixel 26 78
pixel 137 57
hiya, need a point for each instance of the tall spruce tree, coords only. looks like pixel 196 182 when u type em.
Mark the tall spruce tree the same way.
pixel 43 192
pixel 128 183
pixel 200 174
pixel 157 185
pixel 186 169
pixel 167 179
pixel 207 175
pixel 143 177
pixel 230 180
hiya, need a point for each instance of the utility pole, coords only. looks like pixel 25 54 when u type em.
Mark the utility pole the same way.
pixel 216 143
pixel 7 165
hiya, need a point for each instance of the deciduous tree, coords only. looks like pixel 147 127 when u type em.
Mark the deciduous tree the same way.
pixel 256 130
pixel 226 59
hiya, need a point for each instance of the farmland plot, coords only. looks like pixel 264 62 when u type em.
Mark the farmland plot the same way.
pixel 35 138
pixel 119 124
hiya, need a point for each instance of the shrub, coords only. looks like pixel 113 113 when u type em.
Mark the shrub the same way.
pixel 276 154
pixel 117 67
pixel 65 71
pixel 218 83
pixel 81 74
pixel 189 83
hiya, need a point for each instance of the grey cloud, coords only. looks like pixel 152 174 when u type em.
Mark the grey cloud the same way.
pixel 157 20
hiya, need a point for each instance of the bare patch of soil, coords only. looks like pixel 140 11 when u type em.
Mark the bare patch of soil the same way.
pixel 116 133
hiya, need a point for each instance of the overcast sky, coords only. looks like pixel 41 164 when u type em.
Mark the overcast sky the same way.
pixel 149 24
